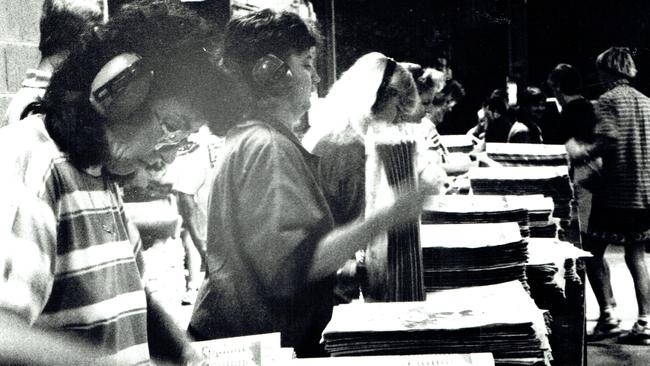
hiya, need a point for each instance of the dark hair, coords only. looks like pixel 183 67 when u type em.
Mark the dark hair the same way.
pixel 566 79
pixel 383 93
pixel 496 104
pixel 63 22
pixel 167 37
pixel 454 90
pixel 531 95
pixel 263 32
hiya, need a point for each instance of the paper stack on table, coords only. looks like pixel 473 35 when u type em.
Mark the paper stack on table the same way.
pixel 552 182
pixel 517 154
pixel 501 319
pixel 459 255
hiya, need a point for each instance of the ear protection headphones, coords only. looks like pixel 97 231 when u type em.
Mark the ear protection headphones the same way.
pixel 272 74
pixel 120 86
pixel 382 90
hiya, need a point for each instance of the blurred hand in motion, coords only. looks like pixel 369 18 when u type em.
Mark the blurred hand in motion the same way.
pixel 577 151
pixel 433 179
pixel 406 208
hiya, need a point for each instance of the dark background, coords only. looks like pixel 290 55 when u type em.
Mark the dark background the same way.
pixel 485 42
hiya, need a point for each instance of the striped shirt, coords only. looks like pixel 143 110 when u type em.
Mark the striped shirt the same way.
pixel 432 139
pixel 624 120
pixel 87 282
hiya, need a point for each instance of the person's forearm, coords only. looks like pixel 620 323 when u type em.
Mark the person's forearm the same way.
pixel 188 209
pixel 341 244
pixel 167 342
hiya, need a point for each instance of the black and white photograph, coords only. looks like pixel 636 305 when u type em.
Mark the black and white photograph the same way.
pixel 324 182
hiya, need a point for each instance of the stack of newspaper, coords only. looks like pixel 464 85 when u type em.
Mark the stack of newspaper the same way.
pixel 552 182
pixel 459 255
pixel 544 270
pixel 501 319
pixel 471 209
pixel 513 154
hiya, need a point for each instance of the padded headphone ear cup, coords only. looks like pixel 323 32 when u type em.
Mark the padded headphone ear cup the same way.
pixel 272 75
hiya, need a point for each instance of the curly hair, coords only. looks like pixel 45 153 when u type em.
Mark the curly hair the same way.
pixel 64 21
pixel 169 39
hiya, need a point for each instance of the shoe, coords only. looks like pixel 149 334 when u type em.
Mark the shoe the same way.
pixel 639 335
pixel 605 328
pixel 189 297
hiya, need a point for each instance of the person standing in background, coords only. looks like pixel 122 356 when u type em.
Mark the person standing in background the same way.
pixel 578 117
pixel 494 125
pixel 620 212
pixel 191 178
pixel 61 25
pixel 526 129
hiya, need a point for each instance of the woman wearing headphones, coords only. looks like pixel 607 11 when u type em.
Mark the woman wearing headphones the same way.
pixel 119 103
pixel 374 89
pixel 272 251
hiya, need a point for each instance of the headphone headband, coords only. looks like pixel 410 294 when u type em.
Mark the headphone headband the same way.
pixel 120 86
pixel 388 74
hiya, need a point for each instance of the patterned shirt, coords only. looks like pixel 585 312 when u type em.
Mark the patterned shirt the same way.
pixel 624 122
pixel 87 282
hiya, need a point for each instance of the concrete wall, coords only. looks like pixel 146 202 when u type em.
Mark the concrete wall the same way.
pixel 18 44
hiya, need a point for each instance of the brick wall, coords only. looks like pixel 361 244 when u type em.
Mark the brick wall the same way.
pixel 18 44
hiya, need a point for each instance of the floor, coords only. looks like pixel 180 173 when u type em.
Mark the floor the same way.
pixel 164 260
pixel 608 352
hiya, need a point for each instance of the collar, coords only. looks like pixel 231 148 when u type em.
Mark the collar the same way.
pixel 613 84
pixel 286 132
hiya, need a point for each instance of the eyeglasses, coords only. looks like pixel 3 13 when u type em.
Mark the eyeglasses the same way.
pixel 171 139
pixel 172 135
